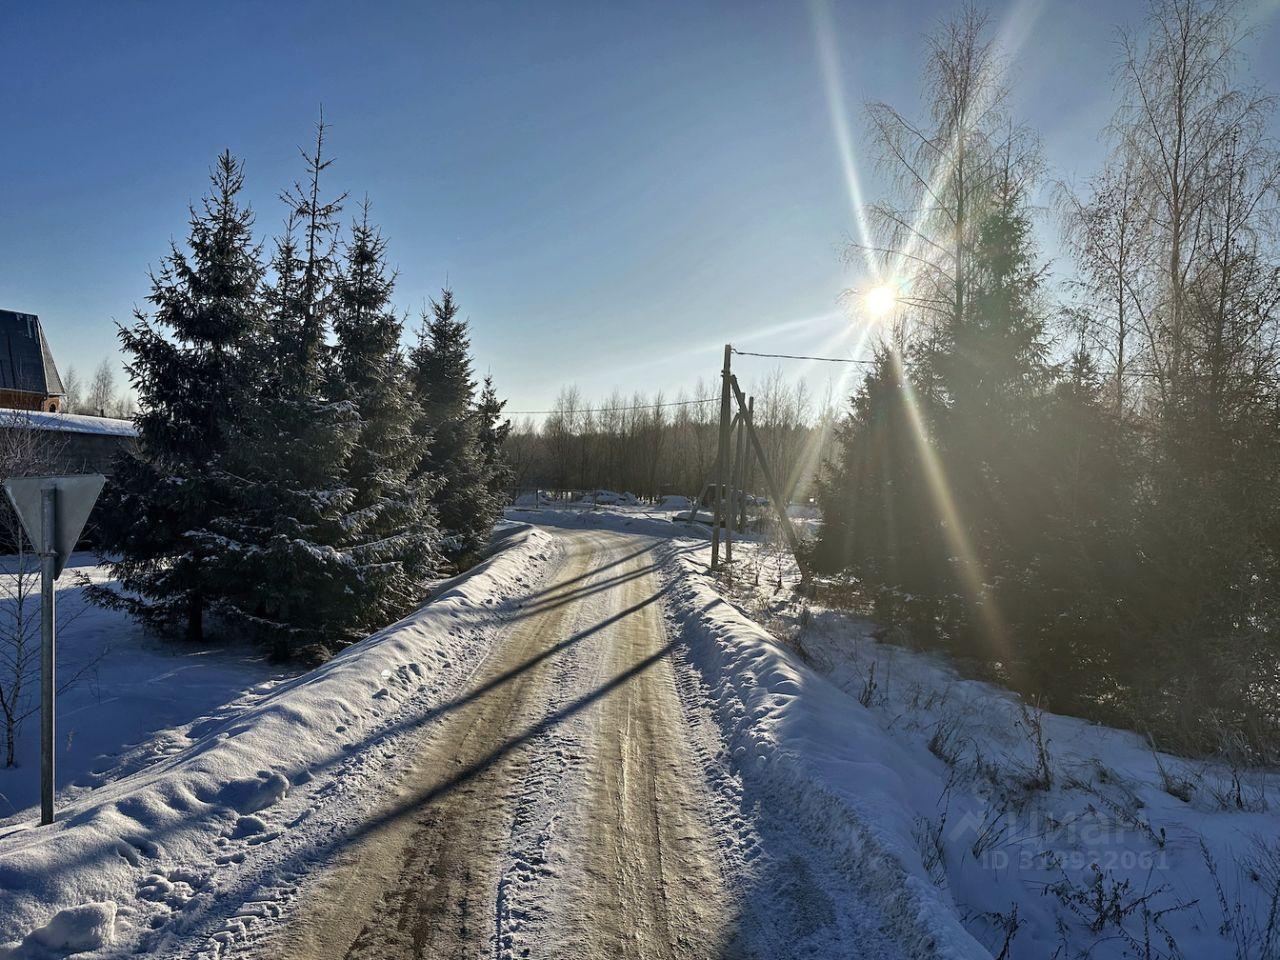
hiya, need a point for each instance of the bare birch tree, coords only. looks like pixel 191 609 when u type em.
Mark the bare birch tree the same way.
pixel 945 169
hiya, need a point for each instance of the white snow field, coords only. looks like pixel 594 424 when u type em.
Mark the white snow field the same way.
pixel 864 798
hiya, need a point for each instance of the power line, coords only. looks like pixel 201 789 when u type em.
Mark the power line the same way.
pixel 1102 374
pixel 750 353
pixel 679 403
pixel 627 409
pixel 793 356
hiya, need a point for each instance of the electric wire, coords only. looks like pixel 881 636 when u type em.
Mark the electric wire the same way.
pixel 626 409
pixel 794 356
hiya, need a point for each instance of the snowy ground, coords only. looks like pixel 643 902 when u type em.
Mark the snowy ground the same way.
pixel 186 854
pixel 862 793
pixel 1044 835
pixel 129 700
pixel 1041 835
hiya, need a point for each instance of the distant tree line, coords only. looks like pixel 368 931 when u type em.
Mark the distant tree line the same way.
pixel 657 444
pixel 100 397
pixel 1081 495
pixel 300 477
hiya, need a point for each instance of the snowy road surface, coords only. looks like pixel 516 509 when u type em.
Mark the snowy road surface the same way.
pixel 556 809
pixel 579 748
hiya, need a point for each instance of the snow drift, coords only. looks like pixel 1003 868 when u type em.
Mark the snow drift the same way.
pixel 820 755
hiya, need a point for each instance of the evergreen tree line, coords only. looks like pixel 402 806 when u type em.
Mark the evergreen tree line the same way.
pixel 300 477
pixel 1078 491
pixel 654 445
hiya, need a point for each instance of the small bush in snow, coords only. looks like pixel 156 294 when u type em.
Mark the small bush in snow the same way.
pixel 947 740
pixel 1031 721
pixel 927 834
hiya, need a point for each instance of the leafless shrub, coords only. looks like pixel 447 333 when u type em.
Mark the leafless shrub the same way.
pixel 1008 924
pixel 1172 782
pixel 947 740
pixel 1031 721
pixel 927 834
pixel 1263 864
pixel 867 695
pixel 1104 903
pixel 24 452
pixel 991 831
pixel 986 771
pixel 1244 786
pixel 1254 934
pixel 1126 810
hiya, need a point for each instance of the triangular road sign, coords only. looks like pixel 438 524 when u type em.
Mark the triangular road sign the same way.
pixel 74 497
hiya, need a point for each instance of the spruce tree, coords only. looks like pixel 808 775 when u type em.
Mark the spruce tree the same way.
pixel 440 366
pixel 493 437
pixel 191 366
pixel 1073 599
pixel 283 564
pixel 392 522
pixel 993 376
pixel 877 518
pixel 936 502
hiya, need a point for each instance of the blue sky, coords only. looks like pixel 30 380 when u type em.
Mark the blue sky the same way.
pixel 612 189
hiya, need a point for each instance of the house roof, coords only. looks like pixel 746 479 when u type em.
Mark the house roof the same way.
pixel 26 363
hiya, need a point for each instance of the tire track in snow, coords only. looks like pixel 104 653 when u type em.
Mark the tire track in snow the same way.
pixel 524 898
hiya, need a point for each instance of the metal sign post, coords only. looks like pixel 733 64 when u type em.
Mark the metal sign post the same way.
pixel 48 574
pixel 53 511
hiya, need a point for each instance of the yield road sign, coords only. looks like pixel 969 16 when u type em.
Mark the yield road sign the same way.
pixel 53 511
pixel 74 496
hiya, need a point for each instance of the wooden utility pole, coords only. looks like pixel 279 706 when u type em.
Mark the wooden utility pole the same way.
pixel 730 495
pixel 722 459
pixel 737 491
pixel 748 466
pixel 775 492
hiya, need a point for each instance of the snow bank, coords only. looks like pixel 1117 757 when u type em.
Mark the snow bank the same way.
pixel 66 423
pixel 174 836
pixel 1045 835
pixel 74 930
pixel 532 499
pixel 1094 839
pixel 823 758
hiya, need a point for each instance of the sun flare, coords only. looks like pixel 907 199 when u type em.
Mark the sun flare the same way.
pixel 880 300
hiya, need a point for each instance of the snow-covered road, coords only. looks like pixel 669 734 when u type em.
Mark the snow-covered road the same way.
pixel 579 748
pixel 554 809
pixel 594 791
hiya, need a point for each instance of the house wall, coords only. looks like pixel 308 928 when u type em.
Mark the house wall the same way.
pixel 17 400
pixel 91 452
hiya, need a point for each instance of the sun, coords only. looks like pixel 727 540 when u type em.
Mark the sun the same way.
pixel 880 300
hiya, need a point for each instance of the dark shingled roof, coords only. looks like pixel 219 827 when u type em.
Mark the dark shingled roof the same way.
pixel 26 365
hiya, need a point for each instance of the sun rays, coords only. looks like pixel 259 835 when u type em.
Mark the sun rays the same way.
pixel 829 62
pixel 888 297
pixel 968 564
